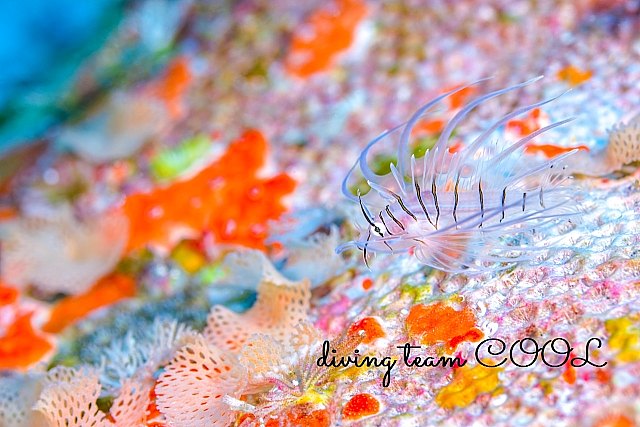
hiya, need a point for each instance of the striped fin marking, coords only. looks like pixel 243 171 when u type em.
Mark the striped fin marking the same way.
pixel 504 196
pixel 481 201
pixel 385 224
pixel 404 208
pixel 455 203
pixel 418 193
pixel 365 250
pixel 434 192
pixel 393 217
pixel 369 220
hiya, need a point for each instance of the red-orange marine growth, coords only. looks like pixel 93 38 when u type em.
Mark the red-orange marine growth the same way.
pixel 299 416
pixel 172 86
pixel 371 327
pixel 8 294
pixel 106 291
pixel 573 75
pixel 535 120
pixel 552 150
pixel 360 406
pixel 226 199
pixel 438 322
pixel 328 31
pixel 367 284
pixel 21 346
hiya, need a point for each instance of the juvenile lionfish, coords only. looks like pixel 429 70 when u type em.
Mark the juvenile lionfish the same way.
pixel 455 209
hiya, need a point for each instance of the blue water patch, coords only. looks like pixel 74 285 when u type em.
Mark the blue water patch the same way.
pixel 42 45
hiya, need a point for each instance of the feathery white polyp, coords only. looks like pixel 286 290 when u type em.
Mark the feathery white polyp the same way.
pixel 452 208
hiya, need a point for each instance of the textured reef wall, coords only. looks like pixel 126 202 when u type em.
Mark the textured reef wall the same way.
pixel 251 213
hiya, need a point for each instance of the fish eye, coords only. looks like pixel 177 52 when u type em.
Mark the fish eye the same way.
pixel 377 229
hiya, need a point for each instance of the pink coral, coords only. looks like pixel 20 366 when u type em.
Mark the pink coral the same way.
pixel 129 409
pixel 69 399
pixel 191 389
pixel 278 309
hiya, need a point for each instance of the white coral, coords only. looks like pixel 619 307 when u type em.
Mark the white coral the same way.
pixel 117 130
pixel 60 253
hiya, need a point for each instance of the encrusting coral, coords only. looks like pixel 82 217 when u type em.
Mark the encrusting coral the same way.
pixel 70 398
pixel 226 199
pixel 203 384
pixel 107 290
pixel 129 409
pixel 22 345
pixel 141 355
pixel 127 375
pixel 328 31
pixel 209 368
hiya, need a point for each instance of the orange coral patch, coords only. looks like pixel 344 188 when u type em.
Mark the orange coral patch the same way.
pixel 438 322
pixel 552 150
pixel 617 420
pixel 371 328
pixel 173 84
pixel 153 412
pixel 243 418
pixel 468 383
pixel 534 121
pixel 573 75
pixel 301 416
pixel 428 127
pixel 458 99
pixel 106 291
pixel 327 32
pixel 603 375
pixel 367 284
pixel 7 294
pixel 569 375
pixel 7 213
pixel 21 347
pixel 226 198
pixel 359 406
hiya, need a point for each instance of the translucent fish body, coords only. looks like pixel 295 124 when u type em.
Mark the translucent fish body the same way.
pixel 460 211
